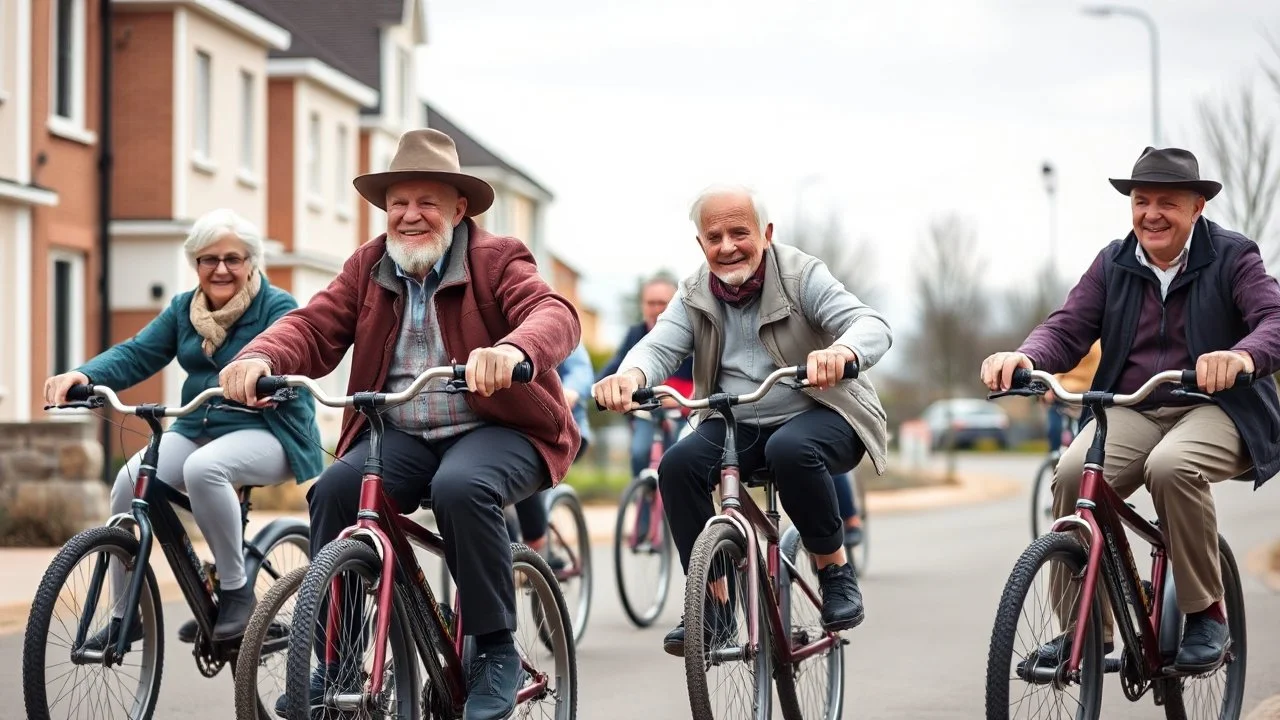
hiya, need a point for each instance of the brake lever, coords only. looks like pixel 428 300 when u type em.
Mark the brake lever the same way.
pixel 455 386
pixel 285 394
pixel 1032 390
pixel 1183 392
pixel 92 403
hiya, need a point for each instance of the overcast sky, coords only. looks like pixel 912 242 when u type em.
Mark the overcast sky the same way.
pixel 888 113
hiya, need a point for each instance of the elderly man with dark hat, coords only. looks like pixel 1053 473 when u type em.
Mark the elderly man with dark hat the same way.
pixel 436 289
pixel 1179 292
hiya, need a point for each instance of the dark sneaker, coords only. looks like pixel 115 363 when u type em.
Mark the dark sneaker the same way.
pixel 721 627
pixel 187 633
pixel 1051 654
pixel 841 598
pixel 1204 644
pixel 495 678
pixel 315 698
pixel 234 609
pixel 852 536
pixel 108 635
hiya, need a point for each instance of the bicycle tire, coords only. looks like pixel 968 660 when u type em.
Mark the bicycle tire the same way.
pixel 249 705
pixel 790 700
pixel 85 544
pixel 549 636
pixel 860 555
pixel 999 669
pixel 713 539
pixel 563 495
pixel 1233 695
pixel 1044 474
pixel 641 617
pixel 332 560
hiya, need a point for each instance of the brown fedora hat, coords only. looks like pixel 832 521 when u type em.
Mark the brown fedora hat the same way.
pixel 426 154
pixel 1168 167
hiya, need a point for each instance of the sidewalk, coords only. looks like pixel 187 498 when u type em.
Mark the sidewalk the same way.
pixel 24 567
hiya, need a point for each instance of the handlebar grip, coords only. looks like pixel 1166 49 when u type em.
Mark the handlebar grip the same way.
pixel 79 393
pixel 1244 379
pixel 642 395
pixel 1021 378
pixel 267 385
pixel 850 371
pixel 523 372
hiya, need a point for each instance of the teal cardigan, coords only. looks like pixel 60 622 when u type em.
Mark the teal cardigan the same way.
pixel 171 335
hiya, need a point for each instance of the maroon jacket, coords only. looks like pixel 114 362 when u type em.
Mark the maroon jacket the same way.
pixel 491 293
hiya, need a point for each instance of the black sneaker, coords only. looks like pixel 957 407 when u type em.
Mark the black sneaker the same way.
pixel 1051 654
pixel 187 633
pixel 107 635
pixel 495 678
pixel 1204 644
pixel 721 627
pixel 841 598
pixel 852 536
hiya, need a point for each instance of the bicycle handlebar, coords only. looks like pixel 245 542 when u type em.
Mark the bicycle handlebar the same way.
pixel 270 384
pixel 1023 381
pixel 83 395
pixel 799 372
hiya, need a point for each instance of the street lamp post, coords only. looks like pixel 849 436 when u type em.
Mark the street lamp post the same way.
pixel 1108 10
pixel 1050 189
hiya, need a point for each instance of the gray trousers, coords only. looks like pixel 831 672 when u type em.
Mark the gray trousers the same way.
pixel 209 471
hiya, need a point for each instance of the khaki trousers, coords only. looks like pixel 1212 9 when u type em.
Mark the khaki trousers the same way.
pixel 1176 452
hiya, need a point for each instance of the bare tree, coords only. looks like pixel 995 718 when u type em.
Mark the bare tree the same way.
pixel 1241 142
pixel 954 309
pixel 852 262
pixel 1027 306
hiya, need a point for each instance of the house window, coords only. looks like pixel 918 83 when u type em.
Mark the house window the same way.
pixel 342 182
pixel 313 155
pixel 69 61
pixel 203 104
pixel 404 71
pixel 246 121
pixel 66 311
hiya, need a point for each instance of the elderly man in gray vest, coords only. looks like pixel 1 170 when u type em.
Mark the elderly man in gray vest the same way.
pixel 753 307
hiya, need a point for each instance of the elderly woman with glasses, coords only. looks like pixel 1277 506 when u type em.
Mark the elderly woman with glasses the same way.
pixel 208 453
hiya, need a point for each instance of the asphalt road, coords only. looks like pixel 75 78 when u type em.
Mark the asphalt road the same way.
pixel 931 595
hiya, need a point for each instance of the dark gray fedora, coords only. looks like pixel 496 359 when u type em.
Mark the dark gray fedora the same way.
pixel 1167 167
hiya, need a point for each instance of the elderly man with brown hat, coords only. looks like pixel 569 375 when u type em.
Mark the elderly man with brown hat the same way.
pixel 1178 292
pixel 436 289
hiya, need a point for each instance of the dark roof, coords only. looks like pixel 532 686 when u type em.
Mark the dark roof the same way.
pixel 342 33
pixel 470 152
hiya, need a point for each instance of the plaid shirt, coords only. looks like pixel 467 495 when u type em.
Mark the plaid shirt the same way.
pixel 431 415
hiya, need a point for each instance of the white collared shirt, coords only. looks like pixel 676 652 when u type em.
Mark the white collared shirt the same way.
pixel 1166 276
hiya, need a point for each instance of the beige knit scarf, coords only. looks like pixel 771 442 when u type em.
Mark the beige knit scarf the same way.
pixel 213 324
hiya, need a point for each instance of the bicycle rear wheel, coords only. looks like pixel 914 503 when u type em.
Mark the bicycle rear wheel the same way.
pixel 1217 694
pixel 1024 674
pixel 567 538
pixel 716 638
pixel 264 649
pixel 544 638
pixel 357 569
pixel 642 552
pixel 1042 498
pixel 49 660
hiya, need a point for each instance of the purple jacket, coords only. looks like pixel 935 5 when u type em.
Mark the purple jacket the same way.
pixel 1223 299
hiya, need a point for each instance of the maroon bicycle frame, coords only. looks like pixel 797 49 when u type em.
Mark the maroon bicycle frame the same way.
pixel 392 540
pixel 1106 515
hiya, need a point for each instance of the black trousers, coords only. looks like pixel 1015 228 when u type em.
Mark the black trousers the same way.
pixel 471 478
pixel 801 453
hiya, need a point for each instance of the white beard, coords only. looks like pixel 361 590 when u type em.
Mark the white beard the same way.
pixel 735 277
pixel 417 257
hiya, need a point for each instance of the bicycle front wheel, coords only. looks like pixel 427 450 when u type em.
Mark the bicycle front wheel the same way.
pixel 347 572
pixel 264 650
pixel 77 677
pixel 569 542
pixel 1220 693
pixel 1027 616
pixel 642 552
pixel 715 639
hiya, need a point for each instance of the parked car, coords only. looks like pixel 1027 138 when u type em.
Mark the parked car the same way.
pixel 962 422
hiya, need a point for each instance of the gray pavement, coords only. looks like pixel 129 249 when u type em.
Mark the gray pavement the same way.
pixel 931 593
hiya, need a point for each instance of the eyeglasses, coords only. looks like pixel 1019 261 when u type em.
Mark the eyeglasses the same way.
pixel 210 262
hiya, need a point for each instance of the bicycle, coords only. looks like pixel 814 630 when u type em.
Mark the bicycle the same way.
pixel 859 554
pixel 373 560
pixel 779 591
pixel 1147 614
pixel 112 639
pixel 641 532
pixel 1042 487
